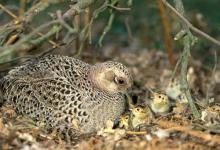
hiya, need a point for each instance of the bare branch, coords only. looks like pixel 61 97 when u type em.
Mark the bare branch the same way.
pixel 118 8
pixel 193 28
pixel 8 49
pixel 8 11
pixel 26 43
pixel 188 41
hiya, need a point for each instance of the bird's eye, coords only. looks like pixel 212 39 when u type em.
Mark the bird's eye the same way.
pixel 138 109
pixel 126 118
pixel 119 80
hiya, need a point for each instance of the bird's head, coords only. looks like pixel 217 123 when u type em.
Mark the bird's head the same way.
pixel 139 111
pixel 124 120
pixel 160 99
pixel 111 77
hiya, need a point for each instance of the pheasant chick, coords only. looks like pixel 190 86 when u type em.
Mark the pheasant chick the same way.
pixel 140 115
pixel 160 103
pixel 124 121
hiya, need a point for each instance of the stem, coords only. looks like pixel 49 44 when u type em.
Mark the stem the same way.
pixel 188 41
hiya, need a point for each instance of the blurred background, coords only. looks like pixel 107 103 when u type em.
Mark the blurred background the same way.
pixel 138 28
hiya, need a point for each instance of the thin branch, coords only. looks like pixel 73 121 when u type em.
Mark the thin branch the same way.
pixel 36 9
pixel 64 24
pixel 110 21
pixel 26 43
pixel 192 27
pixel 8 11
pixel 27 17
pixel 188 41
pixel 128 28
pixel 55 29
pixel 118 8
pixel 17 18
pixel 206 137
pixel 86 31
pixel 54 44
pixel 11 39
pixel 77 8
pixel 7 50
pixel 136 133
pixel 107 28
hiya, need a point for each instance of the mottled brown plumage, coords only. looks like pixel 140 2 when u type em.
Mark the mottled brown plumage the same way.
pixel 67 93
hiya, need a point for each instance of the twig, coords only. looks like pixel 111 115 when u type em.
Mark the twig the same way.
pixel 136 133
pixel 207 128
pixel 17 18
pixel 8 11
pixel 188 41
pixel 36 9
pixel 64 24
pixel 86 20
pixel 7 50
pixel 193 28
pixel 28 16
pixel 107 28
pixel 118 8
pixel 110 21
pixel 80 5
pixel 85 33
pixel 76 23
pixel 54 44
pixel 128 28
pixel 52 31
pixel 170 126
pixel 11 39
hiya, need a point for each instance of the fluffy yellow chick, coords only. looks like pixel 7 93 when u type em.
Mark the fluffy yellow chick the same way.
pixel 160 103
pixel 140 115
pixel 124 121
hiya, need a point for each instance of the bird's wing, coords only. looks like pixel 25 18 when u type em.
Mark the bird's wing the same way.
pixel 53 94
pixel 60 94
